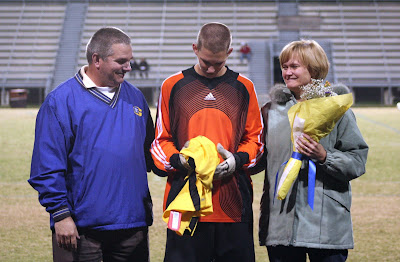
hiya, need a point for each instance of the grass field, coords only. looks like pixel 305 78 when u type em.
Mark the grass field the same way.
pixel 24 227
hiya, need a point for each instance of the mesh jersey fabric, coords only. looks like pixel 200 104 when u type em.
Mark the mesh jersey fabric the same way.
pixel 223 109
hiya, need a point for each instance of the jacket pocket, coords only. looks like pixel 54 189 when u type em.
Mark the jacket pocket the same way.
pixel 343 198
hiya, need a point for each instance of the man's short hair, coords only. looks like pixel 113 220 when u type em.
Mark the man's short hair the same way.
pixel 311 55
pixel 215 37
pixel 102 41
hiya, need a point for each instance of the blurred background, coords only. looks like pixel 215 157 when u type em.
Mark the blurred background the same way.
pixel 42 43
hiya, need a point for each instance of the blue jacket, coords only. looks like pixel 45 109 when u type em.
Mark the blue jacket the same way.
pixel 91 156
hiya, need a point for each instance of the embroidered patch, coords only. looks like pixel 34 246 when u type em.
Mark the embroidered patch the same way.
pixel 137 111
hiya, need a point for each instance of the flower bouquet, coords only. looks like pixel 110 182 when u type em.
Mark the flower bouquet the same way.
pixel 316 116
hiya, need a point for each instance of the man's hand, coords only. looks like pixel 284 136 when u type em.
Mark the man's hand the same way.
pixel 226 168
pixel 66 234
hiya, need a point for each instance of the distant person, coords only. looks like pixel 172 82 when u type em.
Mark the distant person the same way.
pixel 245 53
pixel 289 228
pixel 213 101
pixel 144 68
pixel 91 157
pixel 134 68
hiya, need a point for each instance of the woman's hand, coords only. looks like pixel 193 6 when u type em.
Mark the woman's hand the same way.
pixel 308 147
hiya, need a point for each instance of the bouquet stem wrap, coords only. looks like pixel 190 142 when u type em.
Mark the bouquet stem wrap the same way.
pixel 315 117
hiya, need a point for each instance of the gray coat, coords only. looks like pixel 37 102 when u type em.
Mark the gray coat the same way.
pixel 291 221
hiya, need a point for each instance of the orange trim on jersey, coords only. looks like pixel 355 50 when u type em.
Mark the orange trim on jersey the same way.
pixel 252 125
pixel 163 147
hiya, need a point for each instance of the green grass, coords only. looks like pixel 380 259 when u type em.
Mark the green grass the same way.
pixel 24 229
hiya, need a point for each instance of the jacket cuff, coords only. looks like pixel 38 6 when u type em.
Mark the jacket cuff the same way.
pixel 61 213
pixel 241 159
pixel 328 160
pixel 175 162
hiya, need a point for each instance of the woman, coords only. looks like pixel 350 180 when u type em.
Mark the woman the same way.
pixel 289 228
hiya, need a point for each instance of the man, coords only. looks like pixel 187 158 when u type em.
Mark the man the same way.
pixel 91 155
pixel 134 67
pixel 245 53
pixel 144 68
pixel 211 100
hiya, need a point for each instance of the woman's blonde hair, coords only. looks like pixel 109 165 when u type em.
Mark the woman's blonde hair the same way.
pixel 311 55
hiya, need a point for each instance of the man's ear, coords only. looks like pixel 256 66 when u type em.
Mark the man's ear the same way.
pixel 96 60
pixel 229 51
pixel 195 49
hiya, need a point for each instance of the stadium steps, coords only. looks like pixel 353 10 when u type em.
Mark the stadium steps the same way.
pixel 164 33
pixel 364 37
pixel 258 68
pixel 68 52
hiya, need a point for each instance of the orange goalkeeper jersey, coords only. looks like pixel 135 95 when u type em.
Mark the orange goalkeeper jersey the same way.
pixel 223 109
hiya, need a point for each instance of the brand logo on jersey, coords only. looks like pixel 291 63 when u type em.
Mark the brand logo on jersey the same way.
pixel 137 111
pixel 209 97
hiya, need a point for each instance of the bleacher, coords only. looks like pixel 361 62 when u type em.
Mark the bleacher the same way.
pixel 164 33
pixel 364 36
pixel 29 40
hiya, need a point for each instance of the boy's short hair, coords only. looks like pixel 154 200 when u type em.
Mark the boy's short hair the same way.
pixel 215 37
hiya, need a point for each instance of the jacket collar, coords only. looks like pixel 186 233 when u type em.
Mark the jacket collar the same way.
pixel 96 93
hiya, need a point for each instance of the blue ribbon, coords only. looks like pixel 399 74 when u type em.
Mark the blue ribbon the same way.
pixel 311 183
pixel 298 156
pixel 311 178
pixel 276 182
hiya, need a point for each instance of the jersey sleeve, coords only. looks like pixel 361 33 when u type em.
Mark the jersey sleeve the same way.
pixel 147 142
pixel 49 163
pixel 251 141
pixel 163 146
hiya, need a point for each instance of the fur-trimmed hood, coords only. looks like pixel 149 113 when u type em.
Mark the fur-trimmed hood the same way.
pixel 279 94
